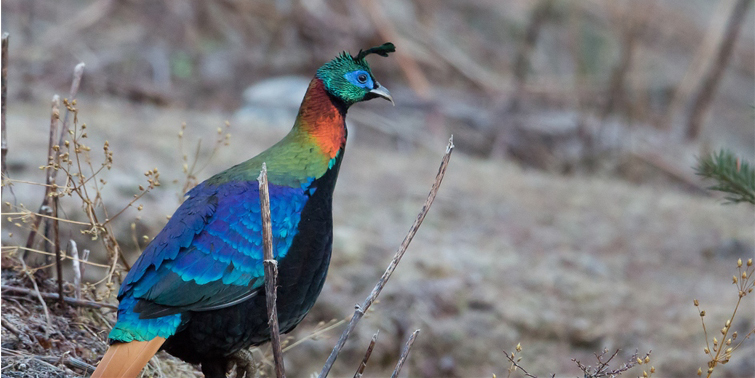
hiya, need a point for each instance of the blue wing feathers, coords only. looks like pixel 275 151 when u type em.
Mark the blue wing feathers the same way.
pixel 208 254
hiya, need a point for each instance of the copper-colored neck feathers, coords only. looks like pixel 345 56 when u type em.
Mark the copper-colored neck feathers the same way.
pixel 321 118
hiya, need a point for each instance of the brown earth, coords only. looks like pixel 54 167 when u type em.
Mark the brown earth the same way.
pixel 564 265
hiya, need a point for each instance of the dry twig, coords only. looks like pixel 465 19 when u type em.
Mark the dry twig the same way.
pixel 603 368
pixel 271 274
pixel 69 300
pixel 515 364
pixel 54 157
pixel 58 259
pixel 4 99
pixel 76 268
pixel 10 327
pixel 360 310
pixel 404 354
pixel 363 364
pixel 39 296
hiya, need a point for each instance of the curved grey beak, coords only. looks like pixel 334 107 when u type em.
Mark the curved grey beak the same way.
pixel 383 92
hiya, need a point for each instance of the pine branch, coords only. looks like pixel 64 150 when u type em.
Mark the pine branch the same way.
pixel 733 176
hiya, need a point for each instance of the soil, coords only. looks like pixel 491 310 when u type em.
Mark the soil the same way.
pixel 566 265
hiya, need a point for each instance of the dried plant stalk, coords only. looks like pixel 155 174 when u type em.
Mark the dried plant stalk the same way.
pixel 4 99
pixel 271 274
pixel 361 310
pixel 404 354
pixel 367 354
pixel 71 301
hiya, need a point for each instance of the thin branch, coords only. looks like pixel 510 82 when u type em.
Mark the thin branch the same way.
pixel 58 260
pixel 4 99
pixel 404 354
pixel 75 363
pixel 47 216
pixel 271 274
pixel 76 268
pixel 83 260
pixel 360 310
pixel 10 327
pixel 78 71
pixel 39 296
pixel 45 208
pixel 363 364
pixel 54 296
pixel 510 357
pixel 313 335
pixel 70 362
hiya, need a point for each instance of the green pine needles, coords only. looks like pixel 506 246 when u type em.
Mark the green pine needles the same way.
pixel 733 176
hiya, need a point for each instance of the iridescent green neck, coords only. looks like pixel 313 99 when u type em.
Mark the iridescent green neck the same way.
pixel 312 146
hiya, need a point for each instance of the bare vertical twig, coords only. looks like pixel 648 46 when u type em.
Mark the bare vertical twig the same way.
pixel 85 260
pixel 78 72
pixel 404 354
pixel 58 259
pixel 4 99
pixel 39 296
pixel 359 311
pixel 271 274
pixel 44 208
pixel 363 364
pixel 76 268
pixel 710 83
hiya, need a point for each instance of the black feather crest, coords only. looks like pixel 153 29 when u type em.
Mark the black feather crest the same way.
pixel 381 50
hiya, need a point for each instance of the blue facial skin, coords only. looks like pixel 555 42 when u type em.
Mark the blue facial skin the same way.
pixel 354 76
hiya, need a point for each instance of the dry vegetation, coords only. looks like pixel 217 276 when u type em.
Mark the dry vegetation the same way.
pixel 588 261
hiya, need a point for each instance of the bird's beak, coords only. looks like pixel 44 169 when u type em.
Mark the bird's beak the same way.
pixel 383 92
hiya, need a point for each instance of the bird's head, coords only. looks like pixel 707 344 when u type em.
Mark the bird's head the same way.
pixel 349 78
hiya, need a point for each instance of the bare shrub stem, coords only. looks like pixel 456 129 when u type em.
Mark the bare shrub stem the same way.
pixel 359 311
pixel 404 354
pixel 271 273
pixel 53 296
pixel 363 365
pixel 4 99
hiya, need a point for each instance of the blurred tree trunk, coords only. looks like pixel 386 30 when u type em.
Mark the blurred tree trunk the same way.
pixel 540 14
pixel 710 81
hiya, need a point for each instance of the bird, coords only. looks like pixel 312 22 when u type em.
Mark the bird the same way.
pixel 197 290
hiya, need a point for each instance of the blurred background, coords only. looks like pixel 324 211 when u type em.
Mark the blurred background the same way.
pixel 570 219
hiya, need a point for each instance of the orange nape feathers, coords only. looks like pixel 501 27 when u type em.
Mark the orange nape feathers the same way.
pixel 126 360
pixel 322 120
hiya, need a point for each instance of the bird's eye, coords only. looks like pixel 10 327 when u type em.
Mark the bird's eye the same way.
pixel 362 78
